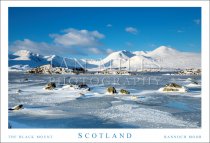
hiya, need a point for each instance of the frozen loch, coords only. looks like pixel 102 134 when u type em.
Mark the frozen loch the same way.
pixel 69 106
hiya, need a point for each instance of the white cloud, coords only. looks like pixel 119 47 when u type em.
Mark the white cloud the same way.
pixel 109 25
pixel 72 43
pixel 35 47
pixel 197 21
pixel 74 37
pixel 131 30
pixel 53 49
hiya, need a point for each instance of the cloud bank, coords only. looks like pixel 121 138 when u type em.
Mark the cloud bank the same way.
pixel 71 41
pixel 74 37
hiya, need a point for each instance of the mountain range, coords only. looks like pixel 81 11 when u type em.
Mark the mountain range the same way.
pixel 162 58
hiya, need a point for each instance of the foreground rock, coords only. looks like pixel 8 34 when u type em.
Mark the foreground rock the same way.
pixel 17 107
pixel 111 90
pixel 19 91
pixel 123 91
pixel 83 86
pixel 47 69
pixel 50 86
pixel 80 86
pixel 173 87
pixel 194 84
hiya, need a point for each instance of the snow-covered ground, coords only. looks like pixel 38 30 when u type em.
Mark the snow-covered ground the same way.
pixel 64 107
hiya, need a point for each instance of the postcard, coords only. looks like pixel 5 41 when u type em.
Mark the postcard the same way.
pixel 105 71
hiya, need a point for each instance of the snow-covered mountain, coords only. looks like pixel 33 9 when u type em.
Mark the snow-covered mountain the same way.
pixel 24 57
pixel 169 58
pixel 162 58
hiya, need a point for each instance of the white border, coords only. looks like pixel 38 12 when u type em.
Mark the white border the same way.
pixel 138 135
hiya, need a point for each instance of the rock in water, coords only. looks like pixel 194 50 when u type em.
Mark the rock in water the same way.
pixel 17 107
pixel 50 86
pixel 26 79
pixel 18 91
pixel 111 90
pixel 194 82
pixel 173 87
pixel 83 86
pixel 123 91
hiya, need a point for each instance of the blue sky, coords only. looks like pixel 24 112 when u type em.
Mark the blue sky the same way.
pixel 96 32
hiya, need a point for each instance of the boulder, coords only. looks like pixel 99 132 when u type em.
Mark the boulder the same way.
pixel 50 86
pixel 173 87
pixel 17 107
pixel 170 89
pixel 111 90
pixel 123 91
pixel 25 79
pixel 83 86
pixel 195 82
pixel 18 91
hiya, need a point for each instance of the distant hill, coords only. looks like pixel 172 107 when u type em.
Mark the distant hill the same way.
pixel 162 58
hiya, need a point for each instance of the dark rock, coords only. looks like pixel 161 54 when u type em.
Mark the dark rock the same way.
pixel 18 107
pixel 82 85
pixel 173 85
pixel 194 82
pixel 111 90
pixel 123 91
pixel 50 86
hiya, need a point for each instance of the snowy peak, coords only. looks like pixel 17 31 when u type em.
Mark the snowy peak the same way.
pixel 162 51
pixel 25 55
pixel 27 58
pixel 126 53
pixel 139 53
pixel 115 56
pixel 120 55
pixel 22 53
pixel 164 57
